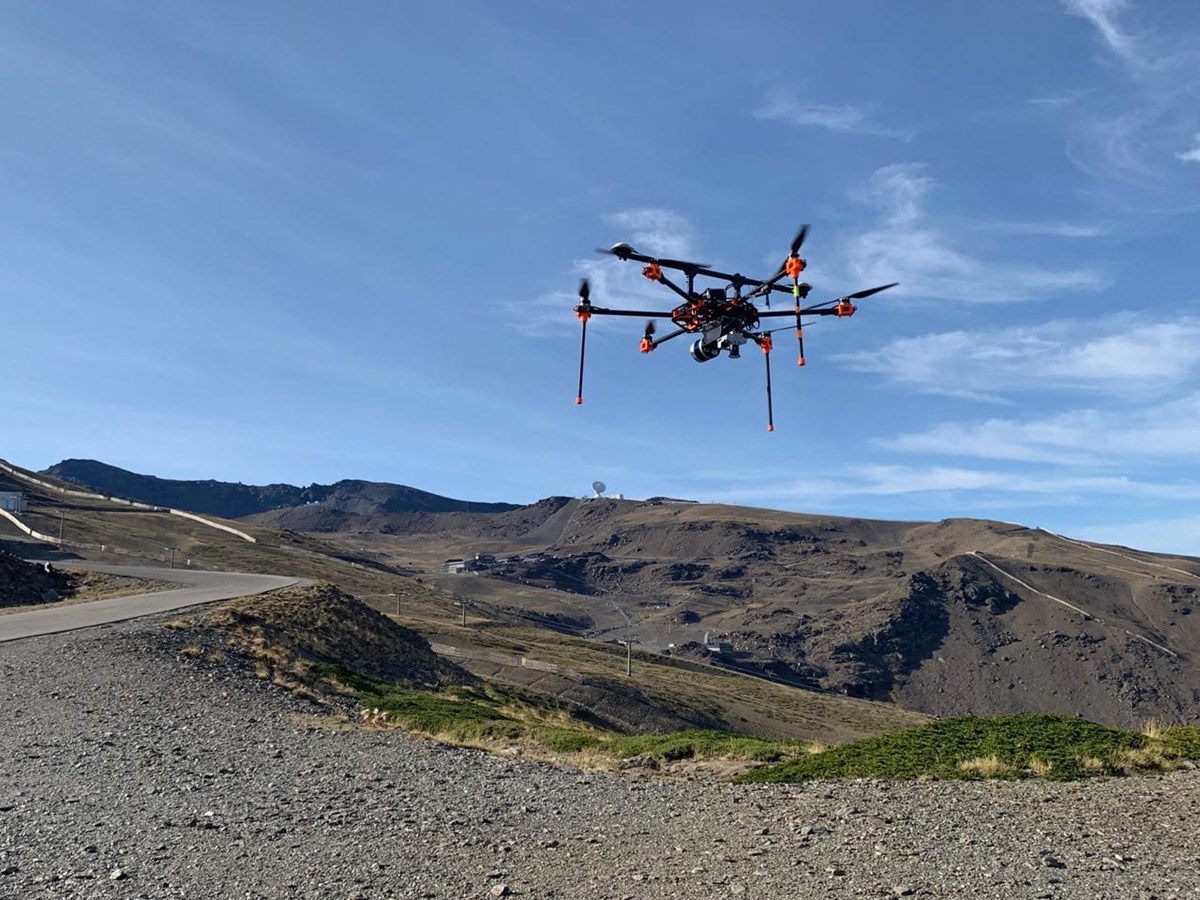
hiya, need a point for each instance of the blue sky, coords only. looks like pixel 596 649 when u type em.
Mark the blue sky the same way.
pixel 303 241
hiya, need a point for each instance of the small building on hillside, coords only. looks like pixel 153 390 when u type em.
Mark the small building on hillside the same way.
pixel 476 563
pixel 12 501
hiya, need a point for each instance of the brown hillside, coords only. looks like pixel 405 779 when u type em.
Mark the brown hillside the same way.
pixel 958 616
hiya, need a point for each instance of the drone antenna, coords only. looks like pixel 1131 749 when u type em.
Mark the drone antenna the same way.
pixel 584 312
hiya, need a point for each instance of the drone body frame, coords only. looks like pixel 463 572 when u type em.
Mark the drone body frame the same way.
pixel 723 318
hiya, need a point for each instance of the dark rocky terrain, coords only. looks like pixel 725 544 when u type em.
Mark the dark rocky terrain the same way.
pixel 233 501
pixel 21 581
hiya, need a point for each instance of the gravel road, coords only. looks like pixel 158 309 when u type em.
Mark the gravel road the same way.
pixel 131 772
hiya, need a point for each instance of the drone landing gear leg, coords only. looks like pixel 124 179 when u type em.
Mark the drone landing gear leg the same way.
pixel 765 343
pixel 582 347
pixel 584 312
pixel 799 295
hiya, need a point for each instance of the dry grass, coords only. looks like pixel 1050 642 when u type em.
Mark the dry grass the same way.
pixel 1151 756
pixel 1040 767
pixel 988 767
pixel 1093 764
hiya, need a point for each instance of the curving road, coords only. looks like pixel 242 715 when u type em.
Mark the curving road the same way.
pixel 194 588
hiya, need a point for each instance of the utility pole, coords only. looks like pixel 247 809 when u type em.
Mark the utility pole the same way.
pixel 628 657
pixel 62 516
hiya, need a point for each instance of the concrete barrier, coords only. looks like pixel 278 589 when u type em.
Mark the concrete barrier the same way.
pixel 86 495
pixel 211 524
pixel 36 535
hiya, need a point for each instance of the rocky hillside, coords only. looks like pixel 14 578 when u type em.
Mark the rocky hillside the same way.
pixel 233 501
pixel 943 618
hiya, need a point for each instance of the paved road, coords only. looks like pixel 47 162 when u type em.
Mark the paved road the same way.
pixel 194 588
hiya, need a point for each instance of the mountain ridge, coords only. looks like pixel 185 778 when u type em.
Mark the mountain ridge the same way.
pixel 232 500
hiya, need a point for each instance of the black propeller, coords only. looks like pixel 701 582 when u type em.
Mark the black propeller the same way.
pixel 798 240
pixel 793 250
pixel 626 251
pixel 858 295
pixel 585 290
pixel 649 332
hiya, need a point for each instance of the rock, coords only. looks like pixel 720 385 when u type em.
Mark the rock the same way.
pixel 499 890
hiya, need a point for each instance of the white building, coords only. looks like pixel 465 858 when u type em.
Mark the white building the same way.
pixel 12 501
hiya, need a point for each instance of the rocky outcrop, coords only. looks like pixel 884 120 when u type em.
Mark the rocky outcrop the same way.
pixel 24 583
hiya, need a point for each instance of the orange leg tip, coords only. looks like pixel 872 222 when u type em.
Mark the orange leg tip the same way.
pixel 770 428
pixel 800 361
pixel 578 401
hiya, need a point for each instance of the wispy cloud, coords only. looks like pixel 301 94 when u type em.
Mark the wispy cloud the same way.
pixel 1193 154
pixel 999 484
pixel 1103 14
pixel 1128 136
pixel 656 231
pixel 1058 100
pixel 1047 229
pixel 783 106
pixel 908 246
pixel 1119 355
pixel 1103 437
pixel 653 230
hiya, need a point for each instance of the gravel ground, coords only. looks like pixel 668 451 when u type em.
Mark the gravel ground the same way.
pixel 130 772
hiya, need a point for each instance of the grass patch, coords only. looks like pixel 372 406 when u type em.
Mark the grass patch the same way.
pixel 480 715
pixel 1044 746
pixel 702 744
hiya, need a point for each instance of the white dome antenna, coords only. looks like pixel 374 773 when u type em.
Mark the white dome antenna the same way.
pixel 598 487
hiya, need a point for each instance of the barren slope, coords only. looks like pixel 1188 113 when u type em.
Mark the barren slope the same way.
pixel 948 617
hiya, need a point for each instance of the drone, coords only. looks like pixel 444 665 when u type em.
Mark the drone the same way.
pixel 722 318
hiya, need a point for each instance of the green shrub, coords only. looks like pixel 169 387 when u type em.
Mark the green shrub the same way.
pixel 1048 746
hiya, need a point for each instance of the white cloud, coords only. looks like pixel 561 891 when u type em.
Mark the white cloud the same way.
pixel 658 232
pixel 614 282
pixel 783 106
pixel 993 484
pixel 1103 15
pixel 909 248
pixel 1119 355
pixel 1128 136
pixel 1192 155
pixel 1047 229
pixel 1107 436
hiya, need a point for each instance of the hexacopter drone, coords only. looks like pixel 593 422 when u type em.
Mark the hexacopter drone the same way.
pixel 724 318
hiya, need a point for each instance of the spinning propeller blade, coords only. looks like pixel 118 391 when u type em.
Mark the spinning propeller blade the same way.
pixel 798 240
pixel 859 295
pixel 793 250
